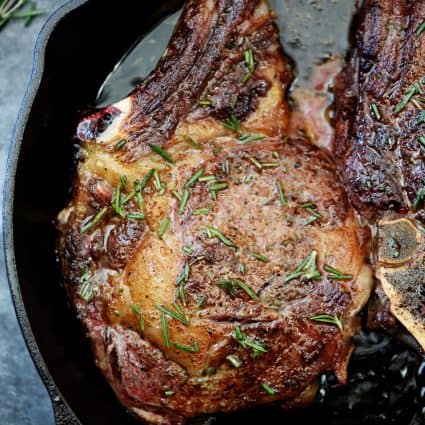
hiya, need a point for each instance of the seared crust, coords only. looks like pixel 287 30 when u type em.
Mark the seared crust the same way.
pixel 380 156
pixel 273 204
pixel 380 147
pixel 249 213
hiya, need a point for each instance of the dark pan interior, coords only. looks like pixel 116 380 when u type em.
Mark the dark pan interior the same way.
pixel 82 50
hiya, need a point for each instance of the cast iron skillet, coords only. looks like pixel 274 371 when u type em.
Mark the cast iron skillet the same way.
pixel 77 48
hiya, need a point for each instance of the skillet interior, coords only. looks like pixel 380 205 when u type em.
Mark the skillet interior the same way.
pixel 80 52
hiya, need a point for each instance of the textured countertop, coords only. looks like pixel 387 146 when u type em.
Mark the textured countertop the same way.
pixel 23 398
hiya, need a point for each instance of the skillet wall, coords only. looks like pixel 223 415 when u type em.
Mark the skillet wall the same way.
pixel 80 53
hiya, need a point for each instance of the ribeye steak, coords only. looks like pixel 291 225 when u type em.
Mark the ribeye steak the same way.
pixel 215 264
pixel 380 146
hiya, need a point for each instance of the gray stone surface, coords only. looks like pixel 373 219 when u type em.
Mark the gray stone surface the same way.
pixel 23 398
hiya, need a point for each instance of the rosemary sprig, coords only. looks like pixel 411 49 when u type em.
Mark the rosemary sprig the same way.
pixel 326 318
pixel 184 274
pixel 9 9
pixel 216 187
pixel 311 209
pixel 203 211
pixel 161 152
pixel 207 179
pixel 335 274
pixel 232 123
pixel 146 179
pixel 187 250
pixel 225 168
pixel 182 294
pixel 421 29
pixel 177 195
pixel 205 102
pixel 229 285
pixel 137 216
pixel 249 61
pixel 87 291
pixel 164 326
pixel 177 314
pixel 120 144
pixel 213 232
pixel 248 138
pixel 307 269
pixel 412 91
pixel 165 224
pixel 136 310
pixel 268 389
pixel 282 198
pixel 184 200
pixel 92 222
pixel 195 178
pixel 260 257
pixel 245 342
pixel 255 162
pixel 159 186
pixel 375 111
pixel 187 348
pixel 116 201
pixel 234 101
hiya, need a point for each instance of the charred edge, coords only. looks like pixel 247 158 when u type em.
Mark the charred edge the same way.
pixel 194 55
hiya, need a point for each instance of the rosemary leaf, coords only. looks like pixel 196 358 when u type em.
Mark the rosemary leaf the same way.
pixel 268 389
pixel 92 222
pixel 205 102
pixel 248 138
pixel 232 123
pixel 187 348
pixel 307 269
pixel 335 274
pixel 213 232
pixel 164 326
pixel 195 178
pixel 282 198
pixel 184 200
pixel 120 144
pixel 165 223
pixel 161 152
pixel 326 318
pixel 178 314
pixel 260 257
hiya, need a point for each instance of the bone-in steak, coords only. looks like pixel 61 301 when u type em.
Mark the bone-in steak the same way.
pixel 380 145
pixel 214 263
